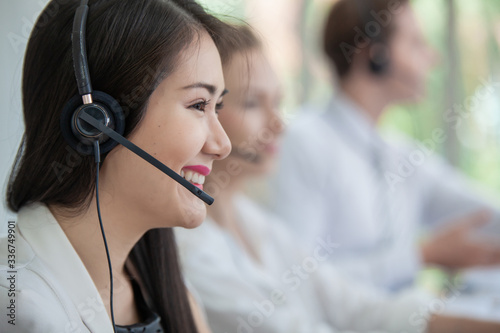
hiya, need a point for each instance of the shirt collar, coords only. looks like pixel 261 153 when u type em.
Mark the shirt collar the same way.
pixel 49 242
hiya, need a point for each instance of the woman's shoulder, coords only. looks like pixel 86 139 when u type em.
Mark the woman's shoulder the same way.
pixel 31 299
pixel 31 304
pixel 47 287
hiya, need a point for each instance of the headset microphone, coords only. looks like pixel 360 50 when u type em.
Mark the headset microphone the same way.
pixel 141 153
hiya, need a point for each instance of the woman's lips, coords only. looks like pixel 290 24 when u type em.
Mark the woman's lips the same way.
pixel 195 174
pixel 272 148
pixel 201 169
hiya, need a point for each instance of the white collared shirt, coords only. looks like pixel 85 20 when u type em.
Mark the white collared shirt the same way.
pixel 338 177
pixel 53 292
pixel 285 290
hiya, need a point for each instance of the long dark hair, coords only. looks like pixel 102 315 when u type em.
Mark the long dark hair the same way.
pixel 132 45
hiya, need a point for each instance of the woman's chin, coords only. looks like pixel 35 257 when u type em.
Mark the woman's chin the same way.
pixel 192 209
pixel 267 166
pixel 192 224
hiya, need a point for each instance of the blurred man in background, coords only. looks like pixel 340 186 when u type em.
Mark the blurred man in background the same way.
pixel 338 177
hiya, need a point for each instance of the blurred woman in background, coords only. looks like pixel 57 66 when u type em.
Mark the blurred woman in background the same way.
pixel 247 267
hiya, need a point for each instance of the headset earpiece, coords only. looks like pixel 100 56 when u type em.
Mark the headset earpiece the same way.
pixel 80 135
pixel 379 58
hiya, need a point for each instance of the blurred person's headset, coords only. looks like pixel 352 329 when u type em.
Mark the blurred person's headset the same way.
pixel 379 59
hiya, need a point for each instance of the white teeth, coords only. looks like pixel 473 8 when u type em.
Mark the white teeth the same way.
pixel 193 177
pixel 189 175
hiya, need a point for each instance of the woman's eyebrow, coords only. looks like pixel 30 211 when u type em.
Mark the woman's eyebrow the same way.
pixel 209 87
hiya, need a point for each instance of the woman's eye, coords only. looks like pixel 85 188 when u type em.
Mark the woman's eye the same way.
pixel 219 106
pixel 251 104
pixel 200 106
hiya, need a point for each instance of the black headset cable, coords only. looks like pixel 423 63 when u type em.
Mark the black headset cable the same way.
pixel 97 156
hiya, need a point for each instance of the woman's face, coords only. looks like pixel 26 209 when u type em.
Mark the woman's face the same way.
pixel 411 58
pixel 181 129
pixel 250 117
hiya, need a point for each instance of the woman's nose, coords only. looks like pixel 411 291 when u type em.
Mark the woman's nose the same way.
pixel 276 123
pixel 218 144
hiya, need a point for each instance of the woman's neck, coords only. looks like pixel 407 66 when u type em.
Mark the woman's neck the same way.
pixel 83 231
pixel 224 213
pixel 371 98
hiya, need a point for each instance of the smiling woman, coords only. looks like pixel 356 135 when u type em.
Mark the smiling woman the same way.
pixel 181 129
pixel 160 59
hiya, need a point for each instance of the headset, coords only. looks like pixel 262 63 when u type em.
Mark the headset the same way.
pixel 379 59
pixel 93 122
pixel 100 117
